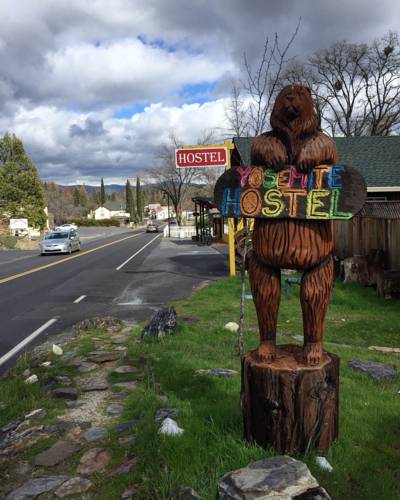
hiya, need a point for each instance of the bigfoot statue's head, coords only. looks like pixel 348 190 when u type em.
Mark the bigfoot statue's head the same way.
pixel 293 113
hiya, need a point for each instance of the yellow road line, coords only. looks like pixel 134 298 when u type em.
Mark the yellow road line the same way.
pixel 80 254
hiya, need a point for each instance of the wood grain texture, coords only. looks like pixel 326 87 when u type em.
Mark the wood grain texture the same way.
pixel 288 405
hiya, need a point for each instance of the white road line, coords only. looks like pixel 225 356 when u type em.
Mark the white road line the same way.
pixel 138 252
pixel 26 341
pixel 79 299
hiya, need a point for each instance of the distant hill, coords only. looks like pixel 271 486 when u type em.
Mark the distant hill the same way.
pixel 119 188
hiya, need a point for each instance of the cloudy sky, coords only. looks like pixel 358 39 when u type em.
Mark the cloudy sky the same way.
pixel 93 87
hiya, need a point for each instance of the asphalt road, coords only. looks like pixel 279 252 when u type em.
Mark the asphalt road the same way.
pixel 129 275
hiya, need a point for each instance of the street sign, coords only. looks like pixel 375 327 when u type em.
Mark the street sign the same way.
pixel 18 224
pixel 201 156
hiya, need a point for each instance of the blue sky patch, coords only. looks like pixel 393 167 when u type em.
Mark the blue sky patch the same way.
pixel 129 111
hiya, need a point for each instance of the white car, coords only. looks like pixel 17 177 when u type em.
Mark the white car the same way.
pixel 66 227
pixel 60 242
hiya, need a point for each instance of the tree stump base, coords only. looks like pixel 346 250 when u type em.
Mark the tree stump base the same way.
pixel 289 405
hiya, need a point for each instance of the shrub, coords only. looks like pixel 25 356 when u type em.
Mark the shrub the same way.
pixel 8 241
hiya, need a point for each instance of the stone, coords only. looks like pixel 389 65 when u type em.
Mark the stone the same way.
pixel 232 327
pixel 118 396
pixel 56 454
pixel 162 398
pixel 131 492
pixel 74 404
pixel 15 442
pixel 94 460
pixel 73 486
pixel 115 409
pixel 87 366
pixel 98 323
pixel 36 487
pixel 125 467
pixel 65 393
pixel 103 356
pixel 280 477
pixel 69 355
pixel 164 413
pixel 11 426
pixel 125 369
pixel 31 380
pixel 94 385
pixel 64 381
pixel 161 324
pixel 384 349
pixel 26 373
pixel 170 428
pixel 126 440
pixel 125 426
pixel 187 493
pixel 57 350
pixel 377 371
pixel 131 385
pixel 324 464
pixel 95 434
pixel 65 426
pixel 120 339
pixel 39 413
pixel 217 372
pixel 45 364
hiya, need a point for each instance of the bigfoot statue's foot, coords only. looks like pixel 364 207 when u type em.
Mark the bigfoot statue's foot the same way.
pixel 313 353
pixel 266 352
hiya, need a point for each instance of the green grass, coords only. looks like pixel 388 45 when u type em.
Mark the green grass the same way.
pixel 365 458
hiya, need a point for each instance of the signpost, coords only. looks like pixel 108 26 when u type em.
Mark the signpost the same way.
pixel 211 155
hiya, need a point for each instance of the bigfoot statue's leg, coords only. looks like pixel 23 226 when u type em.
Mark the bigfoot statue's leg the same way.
pixel 316 289
pixel 266 288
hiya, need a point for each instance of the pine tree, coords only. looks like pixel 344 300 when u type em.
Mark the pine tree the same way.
pixel 21 192
pixel 77 198
pixel 129 201
pixel 103 196
pixel 139 200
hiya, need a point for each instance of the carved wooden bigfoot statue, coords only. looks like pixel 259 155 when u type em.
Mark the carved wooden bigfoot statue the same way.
pixel 300 244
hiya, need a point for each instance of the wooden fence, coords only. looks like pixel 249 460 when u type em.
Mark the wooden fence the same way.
pixel 361 235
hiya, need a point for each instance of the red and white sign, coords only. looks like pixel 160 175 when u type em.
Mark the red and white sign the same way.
pixel 201 157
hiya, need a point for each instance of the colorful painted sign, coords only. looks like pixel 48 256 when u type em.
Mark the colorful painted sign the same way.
pixel 327 192
pixel 201 157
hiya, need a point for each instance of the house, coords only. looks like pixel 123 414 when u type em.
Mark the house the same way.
pixel 110 210
pixel 156 211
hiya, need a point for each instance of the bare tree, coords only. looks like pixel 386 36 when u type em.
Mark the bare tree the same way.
pixel 176 183
pixel 251 103
pixel 356 87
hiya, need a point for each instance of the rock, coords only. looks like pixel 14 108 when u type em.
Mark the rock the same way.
pixel 187 493
pixel 217 372
pixel 56 454
pixel 125 426
pixel 103 356
pixel 95 434
pixel 384 349
pixel 94 460
pixel 299 338
pixel 69 355
pixel 39 413
pixel 118 396
pixel 120 339
pixel 36 487
pixel 115 409
pixel 131 492
pixel 170 428
pixel 65 426
pixel 94 385
pixel 163 413
pixel 26 373
pixel 11 426
pixel 132 385
pixel 280 477
pixel 125 369
pixel 62 380
pixel 161 324
pixel 232 327
pixel 73 486
pixel 65 393
pixel 45 364
pixel 57 350
pixel 125 466
pixel 324 464
pixel 377 371
pixel 162 398
pixel 105 323
pixel 74 404
pixel 15 441
pixel 313 494
pixel 32 379
pixel 126 440
pixel 87 366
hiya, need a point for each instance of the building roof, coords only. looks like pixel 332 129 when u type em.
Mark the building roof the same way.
pixel 114 205
pixel 376 157
pixel 381 209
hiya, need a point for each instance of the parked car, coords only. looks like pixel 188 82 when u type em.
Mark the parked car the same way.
pixel 66 227
pixel 152 228
pixel 60 242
